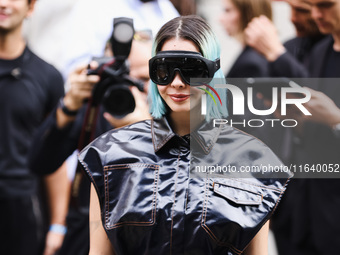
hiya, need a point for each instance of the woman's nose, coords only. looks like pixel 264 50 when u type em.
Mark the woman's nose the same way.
pixel 177 81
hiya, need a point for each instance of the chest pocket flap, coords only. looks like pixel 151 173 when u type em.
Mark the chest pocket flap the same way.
pixel 238 194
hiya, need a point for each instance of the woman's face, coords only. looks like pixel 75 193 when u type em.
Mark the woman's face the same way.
pixel 178 95
pixel 230 18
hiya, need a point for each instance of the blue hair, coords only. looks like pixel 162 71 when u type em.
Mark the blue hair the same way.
pixel 195 29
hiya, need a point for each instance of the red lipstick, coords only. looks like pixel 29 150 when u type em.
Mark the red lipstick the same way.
pixel 179 97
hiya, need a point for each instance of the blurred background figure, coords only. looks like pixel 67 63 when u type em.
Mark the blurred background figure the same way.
pixel 90 25
pixel 237 14
pixel 45 31
pixel 306 222
pixel 284 59
pixel 235 19
pixel 313 227
pixel 187 7
pixel 29 89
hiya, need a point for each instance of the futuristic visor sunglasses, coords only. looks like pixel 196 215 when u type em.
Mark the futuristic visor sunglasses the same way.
pixel 189 64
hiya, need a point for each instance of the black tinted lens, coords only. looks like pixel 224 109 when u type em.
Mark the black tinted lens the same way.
pixel 163 69
pixel 194 68
pixel 160 71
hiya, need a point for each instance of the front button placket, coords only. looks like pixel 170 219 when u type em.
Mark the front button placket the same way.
pixel 179 202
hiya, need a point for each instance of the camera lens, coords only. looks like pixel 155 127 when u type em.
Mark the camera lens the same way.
pixel 118 101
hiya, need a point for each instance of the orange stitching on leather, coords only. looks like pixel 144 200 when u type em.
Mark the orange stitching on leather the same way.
pixel 107 194
pixel 207 148
pixel 165 140
pixel 204 204
pixel 257 185
pixel 130 224
pixel 173 206
pixel 87 170
pixel 279 199
pixel 122 166
pixel 153 211
pixel 234 186
pixel 207 229
pixel 152 136
pixel 240 201
pixel 153 214
pixel 200 144
pixel 205 213
pixel 253 184
pixel 162 142
pixel 155 188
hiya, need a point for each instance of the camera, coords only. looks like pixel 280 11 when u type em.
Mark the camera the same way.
pixel 112 91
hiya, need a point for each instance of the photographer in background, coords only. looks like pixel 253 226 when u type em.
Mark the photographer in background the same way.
pixel 62 135
pixel 29 90
pixel 90 24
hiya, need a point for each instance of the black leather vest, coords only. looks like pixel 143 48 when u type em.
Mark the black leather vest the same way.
pixel 152 202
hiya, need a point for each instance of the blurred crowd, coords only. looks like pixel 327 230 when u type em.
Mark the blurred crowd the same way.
pixel 48 111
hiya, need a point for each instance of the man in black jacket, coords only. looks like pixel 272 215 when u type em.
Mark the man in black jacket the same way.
pixel 307 221
pixel 283 60
pixel 292 58
pixel 321 134
pixel 29 89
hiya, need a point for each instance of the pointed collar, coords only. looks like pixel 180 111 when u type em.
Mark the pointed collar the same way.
pixel 204 137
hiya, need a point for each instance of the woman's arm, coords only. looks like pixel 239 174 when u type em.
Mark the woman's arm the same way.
pixel 99 241
pixel 259 244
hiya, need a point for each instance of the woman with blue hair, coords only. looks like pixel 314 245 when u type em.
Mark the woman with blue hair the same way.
pixel 201 34
pixel 151 190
